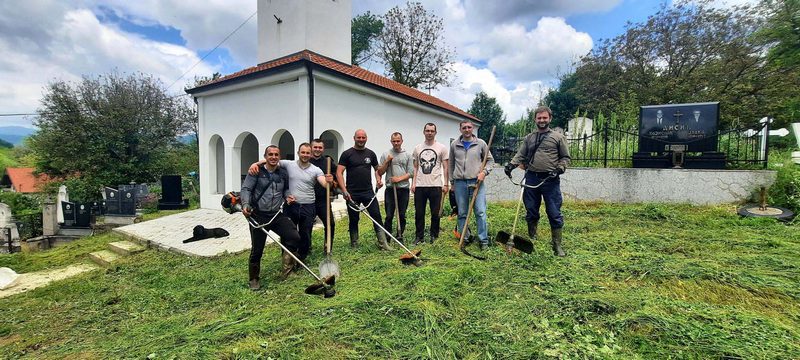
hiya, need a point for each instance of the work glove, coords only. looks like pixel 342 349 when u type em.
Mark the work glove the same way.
pixel 559 170
pixel 509 168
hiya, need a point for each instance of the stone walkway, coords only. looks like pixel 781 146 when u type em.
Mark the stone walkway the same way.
pixel 169 232
pixel 30 281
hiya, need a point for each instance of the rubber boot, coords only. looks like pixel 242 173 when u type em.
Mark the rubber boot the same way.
pixel 255 271
pixel 353 240
pixel 382 244
pixel 288 265
pixel 532 231
pixel 557 250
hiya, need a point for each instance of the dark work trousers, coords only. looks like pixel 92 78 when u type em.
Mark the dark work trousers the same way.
pixel 402 204
pixel 550 191
pixel 282 226
pixel 433 196
pixel 303 216
pixel 363 197
pixel 453 202
pixel 321 207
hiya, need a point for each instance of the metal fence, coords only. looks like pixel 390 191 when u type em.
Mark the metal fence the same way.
pixel 607 146
pixel 29 225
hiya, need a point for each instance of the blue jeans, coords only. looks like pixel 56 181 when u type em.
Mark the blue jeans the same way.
pixel 550 191
pixel 463 197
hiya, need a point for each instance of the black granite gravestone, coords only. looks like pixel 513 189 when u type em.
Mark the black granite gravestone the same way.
pixel 679 135
pixel 83 217
pixel 112 201
pixel 172 193
pixel 68 209
pixel 127 202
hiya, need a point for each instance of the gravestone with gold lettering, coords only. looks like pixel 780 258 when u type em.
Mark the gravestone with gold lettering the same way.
pixel 679 136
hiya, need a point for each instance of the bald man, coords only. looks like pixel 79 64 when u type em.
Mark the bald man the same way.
pixel 360 163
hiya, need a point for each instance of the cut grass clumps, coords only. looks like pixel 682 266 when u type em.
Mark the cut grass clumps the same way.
pixel 640 281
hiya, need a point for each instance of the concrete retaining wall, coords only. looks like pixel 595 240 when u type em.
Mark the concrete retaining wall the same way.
pixel 626 185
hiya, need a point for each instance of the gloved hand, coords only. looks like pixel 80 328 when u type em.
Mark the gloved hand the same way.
pixel 553 173
pixel 509 168
pixel 559 170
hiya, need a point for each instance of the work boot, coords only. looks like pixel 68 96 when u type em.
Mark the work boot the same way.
pixel 557 250
pixel 288 265
pixel 532 231
pixel 353 240
pixel 255 271
pixel 382 244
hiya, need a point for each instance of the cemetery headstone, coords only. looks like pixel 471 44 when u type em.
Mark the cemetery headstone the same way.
pixel 112 201
pixel 62 196
pixel 679 135
pixel 172 193
pixel 127 202
pixel 68 209
pixel 8 228
pixel 83 215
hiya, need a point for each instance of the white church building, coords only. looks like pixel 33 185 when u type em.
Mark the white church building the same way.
pixel 305 87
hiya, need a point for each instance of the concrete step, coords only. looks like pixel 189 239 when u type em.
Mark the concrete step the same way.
pixel 125 248
pixel 103 257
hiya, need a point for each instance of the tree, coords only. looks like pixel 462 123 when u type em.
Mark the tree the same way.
pixel 365 31
pixel 685 52
pixel 187 112
pixel 412 47
pixel 563 101
pixel 488 110
pixel 108 130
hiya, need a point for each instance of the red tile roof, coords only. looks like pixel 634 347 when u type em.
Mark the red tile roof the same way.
pixel 350 71
pixel 22 180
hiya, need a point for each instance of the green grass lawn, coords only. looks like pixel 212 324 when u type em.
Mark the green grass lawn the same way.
pixel 639 281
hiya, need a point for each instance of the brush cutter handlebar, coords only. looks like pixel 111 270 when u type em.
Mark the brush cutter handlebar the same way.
pixel 522 183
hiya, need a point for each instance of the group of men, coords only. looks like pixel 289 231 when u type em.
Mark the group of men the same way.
pixel 429 172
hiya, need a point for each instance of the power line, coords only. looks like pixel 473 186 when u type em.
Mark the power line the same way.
pixel 212 50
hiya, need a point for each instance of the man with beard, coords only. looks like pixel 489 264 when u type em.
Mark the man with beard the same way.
pixel 359 162
pixel 321 203
pixel 431 160
pixel 262 196
pixel 466 158
pixel 543 153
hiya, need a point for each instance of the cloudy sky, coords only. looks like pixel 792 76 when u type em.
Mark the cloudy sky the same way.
pixel 512 49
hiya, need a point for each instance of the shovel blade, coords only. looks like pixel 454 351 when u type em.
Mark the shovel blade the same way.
pixel 329 267
pixel 519 242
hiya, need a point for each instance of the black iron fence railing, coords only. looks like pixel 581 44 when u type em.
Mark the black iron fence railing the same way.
pixel 607 146
pixel 29 225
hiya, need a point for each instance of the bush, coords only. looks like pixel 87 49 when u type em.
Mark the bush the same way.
pixel 785 192
pixel 20 204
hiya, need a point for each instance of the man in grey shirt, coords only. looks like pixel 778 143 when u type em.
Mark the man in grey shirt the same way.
pixel 398 166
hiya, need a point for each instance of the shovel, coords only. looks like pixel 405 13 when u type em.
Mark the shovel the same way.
pixel 511 240
pixel 410 257
pixel 323 286
pixel 328 266
pixel 475 196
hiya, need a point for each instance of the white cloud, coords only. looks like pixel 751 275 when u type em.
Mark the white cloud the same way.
pixel 469 80
pixel 71 43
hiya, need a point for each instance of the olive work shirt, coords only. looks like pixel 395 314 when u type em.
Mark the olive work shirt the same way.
pixel 552 153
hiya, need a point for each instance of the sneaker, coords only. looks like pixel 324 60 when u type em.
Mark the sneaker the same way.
pixel 418 241
pixel 255 285
pixel 433 239
pixel 484 247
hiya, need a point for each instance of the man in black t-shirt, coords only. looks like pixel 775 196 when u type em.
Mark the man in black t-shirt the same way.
pixel 360 162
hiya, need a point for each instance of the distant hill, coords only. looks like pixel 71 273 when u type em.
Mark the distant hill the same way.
pixel 15 134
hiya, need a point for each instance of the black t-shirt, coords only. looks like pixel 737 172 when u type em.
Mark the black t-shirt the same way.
pixel 359 165
pixel 322 163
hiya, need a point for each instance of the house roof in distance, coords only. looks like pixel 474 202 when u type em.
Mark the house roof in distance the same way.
pixel 349 71
pixel 23 180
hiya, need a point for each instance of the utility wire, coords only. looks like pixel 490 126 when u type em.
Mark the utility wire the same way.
pixel 212 50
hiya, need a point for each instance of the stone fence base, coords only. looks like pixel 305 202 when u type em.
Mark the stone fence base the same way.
pixel 626 185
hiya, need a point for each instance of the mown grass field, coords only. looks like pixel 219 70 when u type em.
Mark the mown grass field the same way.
pixel 640 281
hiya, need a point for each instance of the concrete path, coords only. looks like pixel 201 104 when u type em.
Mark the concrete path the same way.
pixel 30 281
pixel 169 232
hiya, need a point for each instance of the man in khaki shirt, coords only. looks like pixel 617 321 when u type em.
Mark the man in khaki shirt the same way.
pixel 545 155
